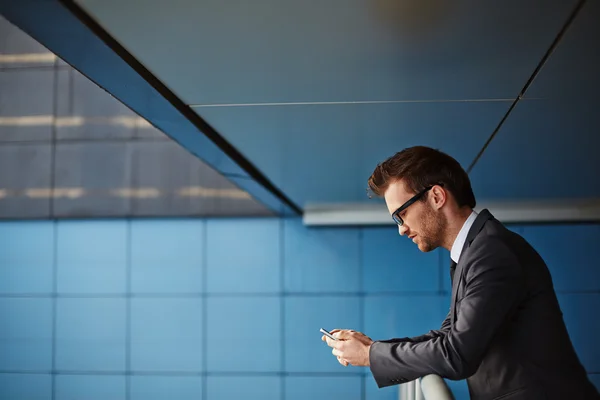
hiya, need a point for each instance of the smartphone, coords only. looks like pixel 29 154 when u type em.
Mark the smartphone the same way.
pixel 326 333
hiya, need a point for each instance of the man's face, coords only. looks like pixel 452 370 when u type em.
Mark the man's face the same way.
pixel 423 224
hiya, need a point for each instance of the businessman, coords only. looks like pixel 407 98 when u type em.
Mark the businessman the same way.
pixel 504 332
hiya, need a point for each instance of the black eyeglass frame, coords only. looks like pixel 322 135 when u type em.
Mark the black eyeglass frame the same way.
pixel 396 214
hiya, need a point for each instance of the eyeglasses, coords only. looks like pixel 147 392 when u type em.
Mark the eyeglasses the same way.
pixel 396 214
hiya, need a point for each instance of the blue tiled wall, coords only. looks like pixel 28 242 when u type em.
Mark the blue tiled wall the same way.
pixel 220 309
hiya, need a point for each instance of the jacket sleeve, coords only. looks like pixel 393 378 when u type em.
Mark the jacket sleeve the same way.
pixel 429 335
pixel 493 289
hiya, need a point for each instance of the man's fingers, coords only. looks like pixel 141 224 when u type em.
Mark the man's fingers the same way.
pixel 343 334
pixel 338 347
pixel 342 361
pixel 334 343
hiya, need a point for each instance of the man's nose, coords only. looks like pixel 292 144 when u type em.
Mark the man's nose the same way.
pixel 402 230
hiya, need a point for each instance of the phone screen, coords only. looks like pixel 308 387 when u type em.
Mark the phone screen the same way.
pixel 326 333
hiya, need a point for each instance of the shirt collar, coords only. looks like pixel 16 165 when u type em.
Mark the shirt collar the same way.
pixel 459 242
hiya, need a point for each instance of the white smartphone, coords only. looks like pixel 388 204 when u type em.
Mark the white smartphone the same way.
pixel 328 334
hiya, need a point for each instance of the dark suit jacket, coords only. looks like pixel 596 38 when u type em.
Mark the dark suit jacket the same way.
pixel 504 333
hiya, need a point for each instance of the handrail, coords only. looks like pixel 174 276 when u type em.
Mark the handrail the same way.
pixel 429 387
pixel 435 388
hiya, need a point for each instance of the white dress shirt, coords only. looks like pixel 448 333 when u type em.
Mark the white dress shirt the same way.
pixel 461 237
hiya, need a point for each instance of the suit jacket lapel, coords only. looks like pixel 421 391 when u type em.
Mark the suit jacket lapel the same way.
pixel 478 224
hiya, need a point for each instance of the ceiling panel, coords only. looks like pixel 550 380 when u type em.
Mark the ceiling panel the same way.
pixel 547 149
pixel 317 153
pixel 215 51
pixel 572 70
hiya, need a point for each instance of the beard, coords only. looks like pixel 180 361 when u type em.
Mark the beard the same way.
pixel 433 226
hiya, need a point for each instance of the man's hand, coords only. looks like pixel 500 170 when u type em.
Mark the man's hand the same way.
pixel 351 347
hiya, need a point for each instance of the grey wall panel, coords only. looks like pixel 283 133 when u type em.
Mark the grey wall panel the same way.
pixel 88 112
pixel 101 171
pixel 25 180
pixel 168 180
pixel 26 104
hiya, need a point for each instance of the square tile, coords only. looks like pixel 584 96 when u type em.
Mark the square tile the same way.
pixel 304 316
pixel 390 316
pixel 166 387
pixel 244 255
pixel 90 334
pixel 92 256
pixel 23 270
pixel 25 180
pixel 167 256
pixel 166 335
pixel 101 171
pixel 321 259
pixel 392 263
pixel 169 176
pixel 26 386
pixel 570 253
pixel 372 392
pixel 26 336
pixel 90 387
pixel 258 319
pixel 323 387
pixel 26 104
pixel 245 387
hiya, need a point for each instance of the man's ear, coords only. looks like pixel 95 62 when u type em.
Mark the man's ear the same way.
pixel 439 196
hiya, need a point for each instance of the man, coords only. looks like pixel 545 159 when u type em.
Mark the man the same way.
pixel 504 332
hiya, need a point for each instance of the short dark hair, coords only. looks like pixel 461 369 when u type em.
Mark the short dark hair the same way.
pixel 421 167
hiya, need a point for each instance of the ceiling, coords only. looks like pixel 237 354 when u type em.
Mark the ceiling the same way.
pixel 304 98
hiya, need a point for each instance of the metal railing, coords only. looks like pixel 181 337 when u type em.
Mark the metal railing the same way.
pixel 430 387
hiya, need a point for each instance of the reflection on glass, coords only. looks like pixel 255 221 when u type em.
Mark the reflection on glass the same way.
pixel 49 120
pixel 70 149
pixel 29 58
